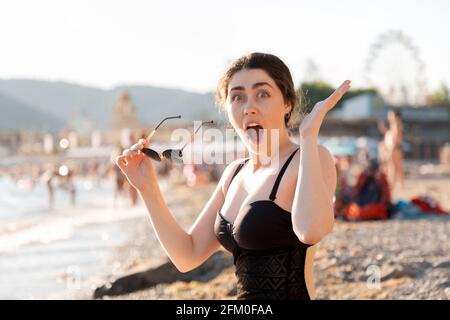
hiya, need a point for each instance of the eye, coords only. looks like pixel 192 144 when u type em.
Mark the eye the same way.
pixel 263 94
pixel 234 98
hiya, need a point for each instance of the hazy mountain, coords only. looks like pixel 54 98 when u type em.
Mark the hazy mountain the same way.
pixel 15 115
pixel 66 101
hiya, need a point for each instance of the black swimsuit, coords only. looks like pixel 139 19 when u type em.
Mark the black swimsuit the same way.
pixel 269 257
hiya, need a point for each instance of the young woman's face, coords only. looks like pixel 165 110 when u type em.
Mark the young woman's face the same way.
pixel 254 100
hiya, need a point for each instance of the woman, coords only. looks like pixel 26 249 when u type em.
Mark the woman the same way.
pixel 268 220
pixel 392 141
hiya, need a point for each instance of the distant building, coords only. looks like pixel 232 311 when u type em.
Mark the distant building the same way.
pixel 356 117
pixel 362 107
pixel 426 129
pixel 9 142
pixel 123 119
pixel 124 114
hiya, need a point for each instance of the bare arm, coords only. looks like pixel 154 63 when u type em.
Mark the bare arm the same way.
pixel 313 214
pixel 397 132
pixel 381 127
pixel 186 250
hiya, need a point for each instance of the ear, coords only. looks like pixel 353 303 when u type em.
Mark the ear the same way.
pixel 288 108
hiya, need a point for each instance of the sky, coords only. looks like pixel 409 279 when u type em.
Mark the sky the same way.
pixel 188 44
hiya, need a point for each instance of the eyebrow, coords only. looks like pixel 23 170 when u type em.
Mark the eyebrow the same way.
pixel 254 86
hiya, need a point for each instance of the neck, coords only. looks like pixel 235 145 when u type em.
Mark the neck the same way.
pixel 280 150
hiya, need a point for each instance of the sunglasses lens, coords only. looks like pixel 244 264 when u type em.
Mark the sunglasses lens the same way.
pixel 167 154
pixel 174 155
pixel 151 153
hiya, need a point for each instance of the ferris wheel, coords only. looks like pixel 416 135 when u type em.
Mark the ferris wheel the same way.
pixel 394 67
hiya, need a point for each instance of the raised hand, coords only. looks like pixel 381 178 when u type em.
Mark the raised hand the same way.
pixel 310 126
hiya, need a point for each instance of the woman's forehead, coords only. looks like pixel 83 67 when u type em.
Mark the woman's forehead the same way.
pixel 247 77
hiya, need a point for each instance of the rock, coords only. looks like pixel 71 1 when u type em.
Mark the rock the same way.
pixel 164 274
pixel 233 291
pixel 445 264
pixel 398 271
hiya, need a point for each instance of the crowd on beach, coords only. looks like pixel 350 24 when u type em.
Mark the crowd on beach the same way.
pixel 366 184
pixel 364 188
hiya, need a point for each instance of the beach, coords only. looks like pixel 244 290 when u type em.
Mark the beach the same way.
pixel 85 114
pixel 69 252
pixel 57 253
pixel 386 259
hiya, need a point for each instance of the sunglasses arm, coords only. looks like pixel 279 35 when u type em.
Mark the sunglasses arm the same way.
pixel 160 123
pixel 193 134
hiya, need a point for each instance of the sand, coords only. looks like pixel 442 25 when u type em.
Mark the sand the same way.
pixel 390 259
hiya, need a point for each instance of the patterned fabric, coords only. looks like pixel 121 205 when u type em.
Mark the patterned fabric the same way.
pixel 275 276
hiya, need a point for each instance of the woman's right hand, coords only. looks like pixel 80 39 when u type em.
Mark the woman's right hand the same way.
pixel 137 167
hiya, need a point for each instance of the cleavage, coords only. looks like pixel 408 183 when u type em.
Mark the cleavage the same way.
pixel 238 193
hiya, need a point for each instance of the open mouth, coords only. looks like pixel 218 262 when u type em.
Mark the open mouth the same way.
pixel 254 131
pixel 254 127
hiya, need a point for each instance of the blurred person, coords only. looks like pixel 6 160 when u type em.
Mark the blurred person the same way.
pixel 190 174
pixel 382 152
pixel 391 149
pixel 370 198
pixel 132 192
pixel 444 154
pixel 119 180
pixel 59 177
pixel 343 183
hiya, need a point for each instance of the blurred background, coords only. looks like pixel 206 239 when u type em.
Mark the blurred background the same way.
pixel 82 80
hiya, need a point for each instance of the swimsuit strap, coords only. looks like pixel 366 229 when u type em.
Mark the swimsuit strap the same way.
pixel 280 175
pixel 239 167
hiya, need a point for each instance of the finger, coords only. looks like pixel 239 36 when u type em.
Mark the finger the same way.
pixel 338 93
pixel 127 152
pixel 134 159
pixel 130 154
pixel 134 150
pixel 145 143
pixel 342 88
pixel 121 162
pixel 346 83
pixel 136 146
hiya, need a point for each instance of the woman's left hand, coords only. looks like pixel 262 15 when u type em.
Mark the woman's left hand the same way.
pixel 310 126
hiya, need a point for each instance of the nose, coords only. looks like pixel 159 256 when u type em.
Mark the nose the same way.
pixel 250 108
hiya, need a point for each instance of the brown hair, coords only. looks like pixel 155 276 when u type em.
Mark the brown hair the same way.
pixel 276 69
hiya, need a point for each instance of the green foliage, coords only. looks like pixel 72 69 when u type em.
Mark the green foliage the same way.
pixel 313 92
pixel 441 96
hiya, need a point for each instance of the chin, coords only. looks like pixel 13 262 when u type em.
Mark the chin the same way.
pixel 256 148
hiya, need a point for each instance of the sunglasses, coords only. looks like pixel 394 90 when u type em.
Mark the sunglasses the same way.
pixel 160 123
pixel 175 155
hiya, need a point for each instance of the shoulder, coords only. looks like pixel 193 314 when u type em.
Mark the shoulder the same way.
pixel 326 159
pixel 228 173
pixel 325 155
